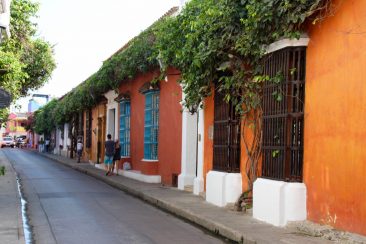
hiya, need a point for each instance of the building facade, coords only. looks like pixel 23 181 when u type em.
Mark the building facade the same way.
pixel 334 133
pixel 150 127
pixel 312 160
pixel 15 125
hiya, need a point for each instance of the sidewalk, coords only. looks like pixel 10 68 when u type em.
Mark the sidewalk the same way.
pixel 232 225
pixel 11 225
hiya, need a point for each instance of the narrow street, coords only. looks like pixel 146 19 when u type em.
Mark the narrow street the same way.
pixel 65 206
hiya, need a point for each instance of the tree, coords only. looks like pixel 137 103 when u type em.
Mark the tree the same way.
pixel 26 62
pixel 44 118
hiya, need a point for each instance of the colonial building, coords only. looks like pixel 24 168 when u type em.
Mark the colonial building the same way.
pixel 150 127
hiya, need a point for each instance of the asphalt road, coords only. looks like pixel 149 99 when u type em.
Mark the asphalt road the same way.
pixel 65 206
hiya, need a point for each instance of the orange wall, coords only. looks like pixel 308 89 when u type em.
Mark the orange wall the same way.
pixel 208 142
pixel 170 126
pixel 86 151
pixel 335 128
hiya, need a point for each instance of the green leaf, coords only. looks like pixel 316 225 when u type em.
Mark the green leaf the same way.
pixel 279 97
pixel 275 153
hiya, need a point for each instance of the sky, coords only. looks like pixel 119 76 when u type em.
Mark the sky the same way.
pixel 84 33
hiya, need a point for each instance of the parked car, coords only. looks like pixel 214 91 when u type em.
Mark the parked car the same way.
pixel 7 142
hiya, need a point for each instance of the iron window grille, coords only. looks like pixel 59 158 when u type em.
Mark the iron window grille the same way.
pixel 88 128
pixel 124 129
pixel 151 129
pixel 80 125
pixel 283 115
pixel 226 148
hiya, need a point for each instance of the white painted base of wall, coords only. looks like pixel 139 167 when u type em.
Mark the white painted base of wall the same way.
pixel 64 153
pixel 223 188
pixel 100 166
pixel 185 180
pixel 136 175
pixel 198 185
pixel 277 202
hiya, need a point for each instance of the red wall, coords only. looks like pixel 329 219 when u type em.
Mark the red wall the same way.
pixel 170 126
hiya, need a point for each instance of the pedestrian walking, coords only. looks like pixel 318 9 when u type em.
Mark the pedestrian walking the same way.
pixel 109 153
pixel 47 143
pixel 41 145
pixel 79 149
pixel 116 157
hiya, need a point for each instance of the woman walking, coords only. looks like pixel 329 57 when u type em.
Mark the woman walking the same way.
pixel 116 157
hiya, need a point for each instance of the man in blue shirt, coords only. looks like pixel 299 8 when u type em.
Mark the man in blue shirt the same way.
pixel 109 153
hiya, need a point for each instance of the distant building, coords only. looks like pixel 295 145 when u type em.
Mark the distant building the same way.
pixel 15 125
pixel 37 101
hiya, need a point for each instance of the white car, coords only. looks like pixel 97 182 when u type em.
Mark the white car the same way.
pixel 7 142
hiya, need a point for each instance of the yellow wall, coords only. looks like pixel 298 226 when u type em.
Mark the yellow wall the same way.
pixel 335 112
pixel 98 112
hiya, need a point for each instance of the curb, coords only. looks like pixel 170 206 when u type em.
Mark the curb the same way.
pixel 185 214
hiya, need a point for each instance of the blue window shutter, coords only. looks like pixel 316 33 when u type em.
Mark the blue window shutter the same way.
pixel 124 130
pixel 151 125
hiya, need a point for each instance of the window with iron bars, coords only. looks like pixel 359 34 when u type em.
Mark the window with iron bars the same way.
pixel 283 114
pixel 124 129
pixel 151 125
pixel 88 128
pixel 80 125
pixel 226 148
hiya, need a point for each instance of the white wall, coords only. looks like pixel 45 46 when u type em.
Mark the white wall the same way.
pixel 66 141
pixel 189 149
pixel 198 182
pixel 58 141
pixel 112 118
pixel 223 188
pixel 277 202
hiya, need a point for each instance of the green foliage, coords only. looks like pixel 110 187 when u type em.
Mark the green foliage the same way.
pixel 210 41
pixel 22 27
pixel 32 57
pixel 26 62
pixel 38 57
pixel 2 170
pixel 29 124
pixel 223 42
pixel 14 76
pixel 44 118
pixel 4 114
pixel 275 153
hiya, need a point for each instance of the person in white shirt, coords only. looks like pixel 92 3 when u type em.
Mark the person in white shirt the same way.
pixel 79 149
pixel 47 143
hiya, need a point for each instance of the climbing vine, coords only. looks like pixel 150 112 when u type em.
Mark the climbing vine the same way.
pixel 221 44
